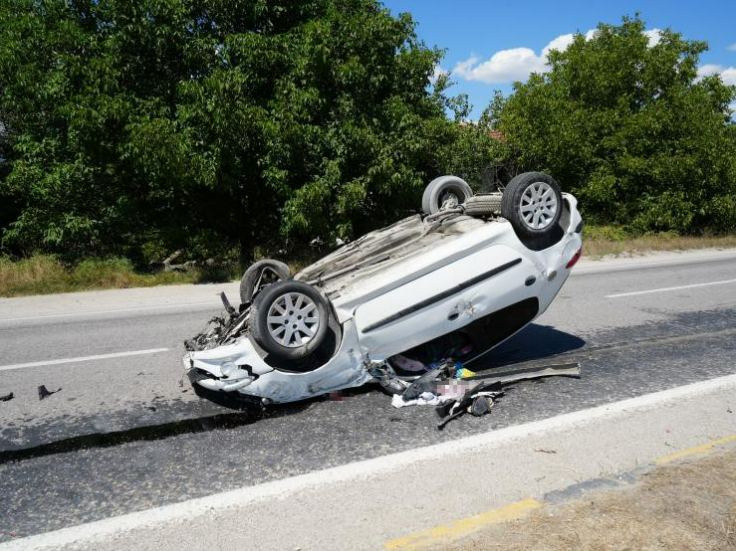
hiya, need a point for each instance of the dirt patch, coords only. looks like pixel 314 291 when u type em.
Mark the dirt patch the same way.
pixel 690 506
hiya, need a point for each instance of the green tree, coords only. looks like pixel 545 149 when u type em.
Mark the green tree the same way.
pixel 208 124
pixel 627 125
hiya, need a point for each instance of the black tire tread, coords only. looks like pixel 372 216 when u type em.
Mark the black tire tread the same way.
pixel 251 275
pixel 435 187
pixel 483 205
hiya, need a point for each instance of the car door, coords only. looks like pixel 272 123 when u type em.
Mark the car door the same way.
pixel 443 300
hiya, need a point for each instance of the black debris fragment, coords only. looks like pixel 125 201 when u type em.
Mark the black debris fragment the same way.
pixel 151 408
pixel 6 397
pixel 481 405
pixel 226 303
pixel 44 392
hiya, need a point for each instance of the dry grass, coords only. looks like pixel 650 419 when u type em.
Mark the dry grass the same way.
pixel 690 506
pixel 607 240
pixel 597 247
pixel 42 274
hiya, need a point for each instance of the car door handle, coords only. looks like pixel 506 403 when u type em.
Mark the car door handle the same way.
pixel 453 316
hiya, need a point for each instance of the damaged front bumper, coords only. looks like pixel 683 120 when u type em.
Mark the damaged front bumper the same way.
pixel 229 368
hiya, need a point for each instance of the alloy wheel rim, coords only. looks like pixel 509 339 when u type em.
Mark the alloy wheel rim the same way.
pixel 538 205
pixel 293 320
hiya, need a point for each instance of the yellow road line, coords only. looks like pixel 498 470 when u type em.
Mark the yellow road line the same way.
pixel 704 448
pixel 442 534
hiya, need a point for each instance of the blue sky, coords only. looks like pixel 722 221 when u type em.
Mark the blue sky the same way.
pixel 516 33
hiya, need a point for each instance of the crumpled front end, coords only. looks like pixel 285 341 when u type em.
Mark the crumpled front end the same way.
pixel 226 368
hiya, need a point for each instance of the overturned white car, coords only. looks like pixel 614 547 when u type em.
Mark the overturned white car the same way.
pixel 451 283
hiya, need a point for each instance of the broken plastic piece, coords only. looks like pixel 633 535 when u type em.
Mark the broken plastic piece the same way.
pixel 428 381
pixel 6 397
pixel 44 392
pixel 464 373
pixel 226 303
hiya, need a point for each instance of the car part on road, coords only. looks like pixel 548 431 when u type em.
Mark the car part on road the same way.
pixel 491 386
pixel 44 392
pixel 452 397
pixel 445 192
pixel 532 202
pixel 226 303
pixel 260 274
pixel 6 397
pixel 290 319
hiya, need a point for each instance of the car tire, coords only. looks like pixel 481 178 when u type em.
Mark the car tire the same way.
pixel 482 205
pixel 444 188
pixel 259 274
pixel 289 320
pixel 532 202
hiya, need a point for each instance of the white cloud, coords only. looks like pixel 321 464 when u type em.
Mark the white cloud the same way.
pixel 518 63
pixel 438 72
pixel 503 66
pixel 560 43
pixel 728 74
pixel 709 69
pixel 654 36
pixel 732 47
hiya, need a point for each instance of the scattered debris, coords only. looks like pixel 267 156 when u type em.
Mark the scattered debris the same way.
pixel 540 450
pixel 44 392
pixel 455 390
pixel 6 397
pixel 490 387
pixel 151 408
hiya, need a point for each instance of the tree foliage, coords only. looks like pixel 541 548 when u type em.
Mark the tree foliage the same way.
pixel 627 125
pixel 133 127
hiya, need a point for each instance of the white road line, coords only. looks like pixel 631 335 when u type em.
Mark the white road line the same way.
pixel 83 359
pixel 281 489
pixel 666 289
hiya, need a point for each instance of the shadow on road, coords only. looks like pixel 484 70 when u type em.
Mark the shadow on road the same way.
pixel 534 342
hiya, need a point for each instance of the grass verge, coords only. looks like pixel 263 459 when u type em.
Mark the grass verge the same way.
pixel 42 274
pixel 601 241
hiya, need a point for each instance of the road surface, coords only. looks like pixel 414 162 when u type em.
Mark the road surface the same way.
pixel 126 434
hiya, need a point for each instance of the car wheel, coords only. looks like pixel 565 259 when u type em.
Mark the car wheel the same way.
pixel 260 274
pixel 289 319
pixel 445 191
pixel 532 202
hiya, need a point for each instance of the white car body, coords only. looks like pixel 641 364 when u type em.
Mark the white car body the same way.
pixel 434 284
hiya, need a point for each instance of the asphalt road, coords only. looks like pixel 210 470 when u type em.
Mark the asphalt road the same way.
pixel 125 433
